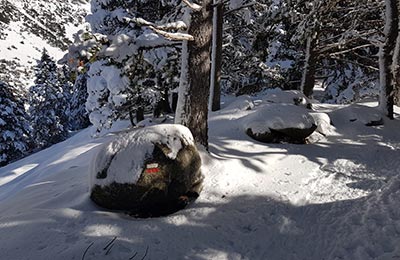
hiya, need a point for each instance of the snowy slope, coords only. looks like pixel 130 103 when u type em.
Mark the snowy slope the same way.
pixel 336 199
pixel 28 26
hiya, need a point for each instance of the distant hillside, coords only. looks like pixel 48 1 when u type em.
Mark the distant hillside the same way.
pixel 28 26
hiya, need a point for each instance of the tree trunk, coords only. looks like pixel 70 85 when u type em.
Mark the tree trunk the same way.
pixel 386 56
pixel 396 68
pixel 139 114
pixel 308 79
pixel 215 90
pixel 174 101
pixel 192 110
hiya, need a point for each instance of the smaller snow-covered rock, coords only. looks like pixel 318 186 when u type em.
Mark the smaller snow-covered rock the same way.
pixel 276 123
pixel 323 122
pixel 241 103
pixel 358 114
pixel 149 171
pixel 295 97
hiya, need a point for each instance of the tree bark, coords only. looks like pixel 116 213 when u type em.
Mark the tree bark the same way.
pixel 386 57
pixel 215 95
pixel 192 110
pixel 308 78
pixel 139 114
pixel 396 67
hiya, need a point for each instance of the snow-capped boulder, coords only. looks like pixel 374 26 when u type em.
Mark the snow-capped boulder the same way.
pixel 358 114
pixel 241 103
pixel 150 171
pixel 275 123
pixel 294 97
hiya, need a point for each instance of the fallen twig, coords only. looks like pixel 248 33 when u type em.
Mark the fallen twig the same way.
pixel 134 255
pixel 112 241
pixel 108 251
pixel 145 254
pixel 87 249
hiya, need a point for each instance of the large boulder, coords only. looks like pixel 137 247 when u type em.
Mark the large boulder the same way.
pixel 151 171
pixel 276 123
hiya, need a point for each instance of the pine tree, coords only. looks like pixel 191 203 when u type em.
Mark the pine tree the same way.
pixel 246 25
pixel 79 117
pixel 331 41
pixel 14 126
pixel 138 61
pixel 47 105
pixel 66 79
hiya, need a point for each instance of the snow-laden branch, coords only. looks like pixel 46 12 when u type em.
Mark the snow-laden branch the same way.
pixel 239 8
pixel 329 47
pixel 179 25
pixel 352 49
pixel 192 6
pixel 355 63
pixel 162 29
pixel 173 36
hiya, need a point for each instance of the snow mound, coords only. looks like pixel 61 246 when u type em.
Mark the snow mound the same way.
pixel 276 122
pixel 241 103
pixel 278 95
pixel 123 157
pixel 323 122
pixel 359 114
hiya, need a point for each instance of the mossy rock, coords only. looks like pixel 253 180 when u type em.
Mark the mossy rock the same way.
pixel 164 186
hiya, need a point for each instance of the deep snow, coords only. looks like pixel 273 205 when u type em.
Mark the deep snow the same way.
pixel 335 199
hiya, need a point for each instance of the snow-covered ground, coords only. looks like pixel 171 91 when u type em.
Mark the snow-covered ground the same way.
pixel 23 36
pixel 338 198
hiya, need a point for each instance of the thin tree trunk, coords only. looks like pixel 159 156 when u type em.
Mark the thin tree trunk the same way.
pixel 139 114
pixel 396 68
pixel 192 110
pixel 308 79
pixel 386 56
pixel 215 89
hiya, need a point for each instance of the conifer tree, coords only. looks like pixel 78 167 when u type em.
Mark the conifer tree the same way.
pixel 14 126
pixel 66 79
pixel 47 105
pixel 138 61
pixel 79 117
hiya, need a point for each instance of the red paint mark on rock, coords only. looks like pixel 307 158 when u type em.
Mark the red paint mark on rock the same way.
pixel 152 168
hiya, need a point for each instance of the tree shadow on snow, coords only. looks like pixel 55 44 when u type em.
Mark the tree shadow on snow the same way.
pixel 237 227
pixel 365 155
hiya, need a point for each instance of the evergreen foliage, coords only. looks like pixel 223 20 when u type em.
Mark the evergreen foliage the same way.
pixel 79 117
pixel 48 103
pixel 14 126
pixel 136 66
